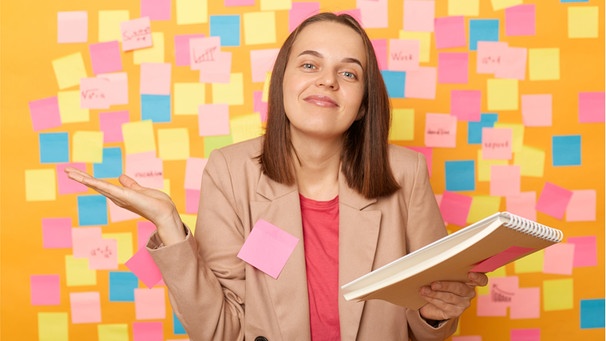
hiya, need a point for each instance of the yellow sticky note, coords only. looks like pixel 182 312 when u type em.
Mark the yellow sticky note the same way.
pixel 482 206
pixel 583 22
pixel 469 8
pixel 87 146
pixel 424 39
pixel 498 5
pixel 113 332
pixel 530 263
pixel 231 93
pixel 259 28
pixel 531 161
pixel 502 94
pixel 53 327
pixel 517 134
pixel 558 294
pixel 154 54
pixel 78 272
pixel 484 166
pixel 245 127
pixel 275 5
pixel 109 24
pixel 190 221
pixel 40 185
pixel 173 144
pixel 69 70
pixel 138 137
pixel 188 97
pixel 543 64
pixel 69 107
pixel 192 12
pixel 265 96
pixel 124 240
pixel 402 125
pixel 166 187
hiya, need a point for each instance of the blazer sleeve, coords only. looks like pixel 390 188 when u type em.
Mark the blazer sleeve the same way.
pixel 204 277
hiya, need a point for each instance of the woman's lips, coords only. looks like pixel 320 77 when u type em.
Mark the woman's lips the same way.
pixel 322 101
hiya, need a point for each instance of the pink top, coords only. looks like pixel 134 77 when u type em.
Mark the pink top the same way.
pixel 321 242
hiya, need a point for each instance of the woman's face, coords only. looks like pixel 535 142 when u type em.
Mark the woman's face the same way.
pixel 324 81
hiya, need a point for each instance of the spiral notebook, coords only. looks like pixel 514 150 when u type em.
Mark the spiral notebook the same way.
pixel 483 246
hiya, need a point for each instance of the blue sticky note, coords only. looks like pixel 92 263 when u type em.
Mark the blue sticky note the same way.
pixel 92 210
pixel 111 167
pixel 227 27
pixel 54 147
pixel 474 129
pixel 177 326
pixel 122 285
pixel 482 30
pixel 460 175
pixel 566 150
pixel 592 313
pixel 394 81
pixel 155 108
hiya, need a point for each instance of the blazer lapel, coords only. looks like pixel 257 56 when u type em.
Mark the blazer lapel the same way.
pixel 358 234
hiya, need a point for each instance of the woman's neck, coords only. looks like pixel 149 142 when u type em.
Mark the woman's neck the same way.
pixel 317 167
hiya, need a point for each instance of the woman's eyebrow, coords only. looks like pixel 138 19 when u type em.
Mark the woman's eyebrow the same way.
pixel 319 55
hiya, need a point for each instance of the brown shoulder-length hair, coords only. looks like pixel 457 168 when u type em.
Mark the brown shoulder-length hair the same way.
pixel 364 158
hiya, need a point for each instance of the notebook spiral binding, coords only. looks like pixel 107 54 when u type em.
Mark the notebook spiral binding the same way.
pixel 533 228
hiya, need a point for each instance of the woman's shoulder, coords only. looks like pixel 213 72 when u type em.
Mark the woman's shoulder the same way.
pixel 404 160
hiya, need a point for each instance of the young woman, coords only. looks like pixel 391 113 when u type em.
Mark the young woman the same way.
pixel 324 173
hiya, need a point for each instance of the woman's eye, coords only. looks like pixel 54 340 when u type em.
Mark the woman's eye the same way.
pixel 351 75
pixel 308 66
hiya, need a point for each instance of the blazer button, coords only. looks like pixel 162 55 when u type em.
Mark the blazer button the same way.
pixel 261 338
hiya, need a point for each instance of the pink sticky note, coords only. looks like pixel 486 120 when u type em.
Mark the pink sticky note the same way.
pixel 143 266
pixel 262 62
pixel 300 11
pixel 553 200
pixel 45 113
pixel 380 47
pixel 489 56
pixel 217 71
pixel 591 107
pixel 94 93
pixel 582 206
pixel 194 167
pixel 585 251
pixel 105 57
pixel 85 307
pixel 513 65
pixel 520 20
pixel 136 34
pixel 455 208
pixel 537 110
pixel 192 200
pixel 156 9
pixel 84 239
pixel 72 27
pixel 421 83
pixel 450 32
pixel 203 50
pixel 148 331
pixel 155 79
pixel 558 259
pixel 259 106
pixel 57 233
pixel 496 143
pixel 146 169
pixel 403 55
pixel 182 48
pixel 110 123
pixel 466 105
pixel 486 307
pixel 144 231
pixel 230 3
pixel 213 119
pixel 267 248
pixel 150 303
pixel 503 289
pixel 502 258
pixel 504 180
pixel 118 89
pixel 117 213
pixel 66 185
pixel 440 130
pixel 526 304
pixel 525 335
pixel 373 13
pixel 522 204
pixel 45 290
pixel 419 15
pixel 104 255
pixel 453 67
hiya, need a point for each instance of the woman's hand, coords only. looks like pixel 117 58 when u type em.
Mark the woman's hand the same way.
pixel 448 300
pixel 151 204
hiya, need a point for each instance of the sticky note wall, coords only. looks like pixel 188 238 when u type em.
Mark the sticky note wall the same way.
pixel 505 98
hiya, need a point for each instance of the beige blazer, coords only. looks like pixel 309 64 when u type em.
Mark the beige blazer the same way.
pixel 217 296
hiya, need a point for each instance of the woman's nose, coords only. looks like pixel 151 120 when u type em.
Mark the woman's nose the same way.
pixel 328 80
